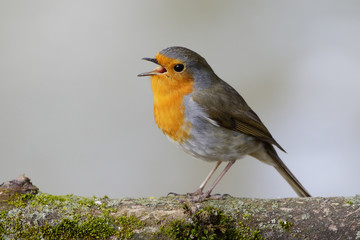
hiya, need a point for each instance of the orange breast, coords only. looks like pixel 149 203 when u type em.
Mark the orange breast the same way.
pixel 168 105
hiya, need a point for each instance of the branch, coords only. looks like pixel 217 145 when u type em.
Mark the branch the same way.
pixel 27 214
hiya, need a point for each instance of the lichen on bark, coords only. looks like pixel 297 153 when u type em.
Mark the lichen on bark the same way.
pixel 27 214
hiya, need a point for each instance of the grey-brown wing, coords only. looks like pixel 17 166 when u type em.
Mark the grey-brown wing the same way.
pixel 228 109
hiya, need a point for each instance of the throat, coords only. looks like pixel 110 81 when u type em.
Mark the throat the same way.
pixel 169 111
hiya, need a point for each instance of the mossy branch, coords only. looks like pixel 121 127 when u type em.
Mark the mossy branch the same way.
pixel 27 214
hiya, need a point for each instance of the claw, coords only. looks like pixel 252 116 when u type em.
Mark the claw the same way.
pixel 206 196
pixel 196 193
pixel 175 194
pixel 198 196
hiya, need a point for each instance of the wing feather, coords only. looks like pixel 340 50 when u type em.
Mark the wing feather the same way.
pixel 234 113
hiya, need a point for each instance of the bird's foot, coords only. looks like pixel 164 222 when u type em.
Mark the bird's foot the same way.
pixel 196 193
pixel 176 194
pixel 182 197
pixel 199 196
pixel 207 196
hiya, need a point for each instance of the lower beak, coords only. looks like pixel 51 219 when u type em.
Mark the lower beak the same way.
pixel 159 70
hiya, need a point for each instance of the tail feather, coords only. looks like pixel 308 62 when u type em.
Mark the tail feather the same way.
pixel 286 173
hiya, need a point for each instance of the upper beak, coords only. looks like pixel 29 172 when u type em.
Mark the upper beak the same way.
pixel 160 69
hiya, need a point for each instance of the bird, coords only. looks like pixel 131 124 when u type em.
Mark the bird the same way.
pixel 208 119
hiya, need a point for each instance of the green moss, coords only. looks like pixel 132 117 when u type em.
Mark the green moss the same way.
pixel 45 216
pixel 3 215
pixel 89 227
pixel 209 223
pixel 19 200
pixel 286 225
pixel 127 226
pixel 59 201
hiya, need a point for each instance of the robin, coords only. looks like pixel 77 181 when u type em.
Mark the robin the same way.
pixel 208 118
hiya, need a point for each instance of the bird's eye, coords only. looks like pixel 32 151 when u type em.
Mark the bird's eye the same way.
pixel 179 67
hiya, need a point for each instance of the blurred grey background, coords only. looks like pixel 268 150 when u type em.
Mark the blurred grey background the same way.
pixel 75 118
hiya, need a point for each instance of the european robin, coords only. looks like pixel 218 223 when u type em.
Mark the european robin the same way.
pixel 208 118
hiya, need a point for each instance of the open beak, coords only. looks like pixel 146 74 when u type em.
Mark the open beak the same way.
pixel 158 70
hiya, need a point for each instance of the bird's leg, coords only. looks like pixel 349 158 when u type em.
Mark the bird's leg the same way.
pixel 208 192
pixel 199 191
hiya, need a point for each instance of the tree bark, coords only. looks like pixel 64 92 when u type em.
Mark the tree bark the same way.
pixel 27 214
